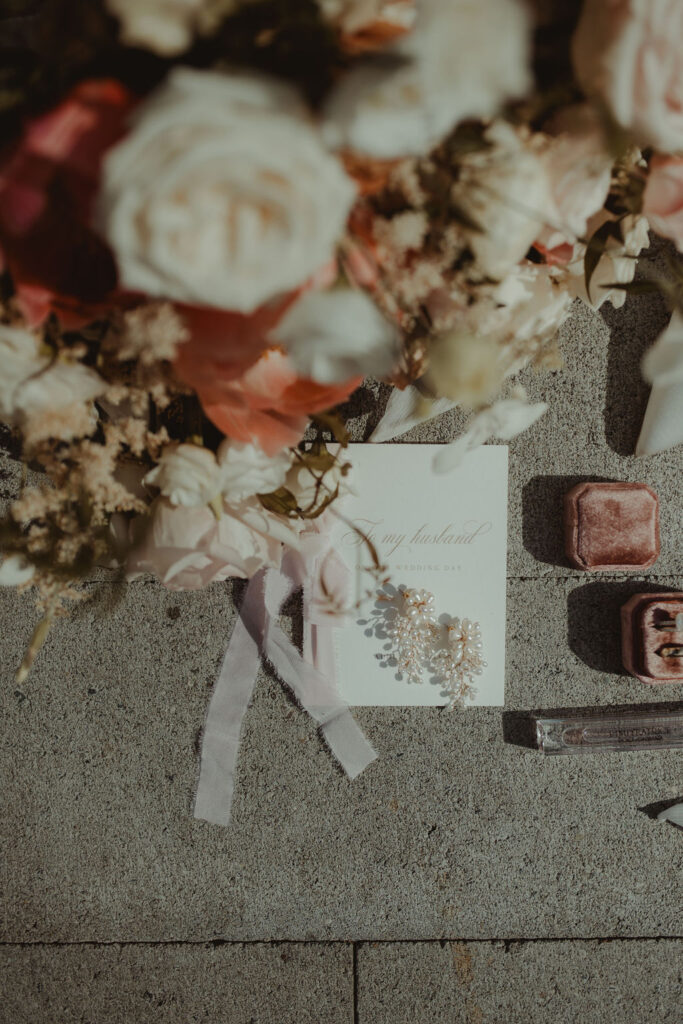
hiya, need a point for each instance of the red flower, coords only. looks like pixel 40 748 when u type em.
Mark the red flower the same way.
pixel 48 181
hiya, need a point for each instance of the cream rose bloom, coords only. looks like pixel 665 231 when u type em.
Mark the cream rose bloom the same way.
pixel 629 55
pixel 189 548
pixel 41 392
pixel 463 59
pixel 247 470
pixel 222 193
pixel 335 335
pixel 187 474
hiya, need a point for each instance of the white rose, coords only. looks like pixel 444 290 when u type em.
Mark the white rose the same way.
pixel 463 59
pixel 166 27
pixel 616 266
pixel 189 548
pixel 506 191
pixel 335 335
pixel 246 470
pixel 187 475
pixel 222 194
pixel 33 384
pixel 627 54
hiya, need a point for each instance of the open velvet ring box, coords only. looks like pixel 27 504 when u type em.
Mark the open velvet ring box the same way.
pixel 652 637
pixel 611 526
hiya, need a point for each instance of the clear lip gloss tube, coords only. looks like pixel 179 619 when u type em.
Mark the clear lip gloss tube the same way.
pixel 583 734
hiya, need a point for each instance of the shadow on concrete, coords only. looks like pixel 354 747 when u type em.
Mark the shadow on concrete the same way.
pixel 519 728
pixel 652 810
pixel 594 621
pixel 543 515
pixel 370 401
pixel 10 442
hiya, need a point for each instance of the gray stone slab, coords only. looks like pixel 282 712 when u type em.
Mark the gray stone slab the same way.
pixel 179 984
pixel 452 832
pixel 614 982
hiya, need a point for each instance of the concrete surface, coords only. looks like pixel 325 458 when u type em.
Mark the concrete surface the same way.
pixel 125 984
pixel 455 833
pixel 520 982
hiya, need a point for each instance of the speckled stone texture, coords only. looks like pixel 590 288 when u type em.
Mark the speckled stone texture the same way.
pixel 180 984
pixel 521 983
pixel 457 832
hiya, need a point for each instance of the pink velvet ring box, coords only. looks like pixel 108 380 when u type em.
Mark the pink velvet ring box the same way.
pixel 611 526
pixel 648 631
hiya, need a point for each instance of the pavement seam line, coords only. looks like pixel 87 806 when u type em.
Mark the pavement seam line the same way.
pixel 356 943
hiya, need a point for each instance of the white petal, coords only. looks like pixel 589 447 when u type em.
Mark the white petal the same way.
pixel 663 421
pixel 673 814
pixel 663 363
pixel 400 416
pixel 505 419
pixel 15 570
pixel 335 335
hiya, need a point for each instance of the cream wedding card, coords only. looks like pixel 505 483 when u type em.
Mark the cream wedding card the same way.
pixel 446 533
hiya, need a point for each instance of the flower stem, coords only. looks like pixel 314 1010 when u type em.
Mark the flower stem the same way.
pixel 37 640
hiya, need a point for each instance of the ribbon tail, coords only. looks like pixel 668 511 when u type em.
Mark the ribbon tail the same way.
pixel 227 708
pixel 348 743
pixel 316 692
pixel 342 733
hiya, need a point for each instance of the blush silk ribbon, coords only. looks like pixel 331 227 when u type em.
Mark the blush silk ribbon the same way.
pixel 257 634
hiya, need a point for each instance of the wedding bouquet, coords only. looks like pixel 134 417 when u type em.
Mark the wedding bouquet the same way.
pixel 217 217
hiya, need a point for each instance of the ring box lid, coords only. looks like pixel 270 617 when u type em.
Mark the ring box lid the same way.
pixel 611 526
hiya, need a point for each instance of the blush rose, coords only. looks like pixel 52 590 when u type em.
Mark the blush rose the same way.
pixel 663 197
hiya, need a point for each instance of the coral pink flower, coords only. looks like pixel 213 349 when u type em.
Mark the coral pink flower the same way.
pixel 663 197
pixel 48 180
pixel 266 405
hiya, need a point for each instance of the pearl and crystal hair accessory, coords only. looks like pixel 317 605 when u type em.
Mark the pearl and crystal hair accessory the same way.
pixel 412 629
pixel 418 645
pixel 460 661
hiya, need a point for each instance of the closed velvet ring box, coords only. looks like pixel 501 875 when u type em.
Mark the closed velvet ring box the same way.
pixel 652 637
pixel 611 526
